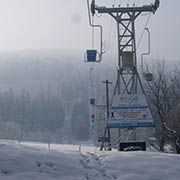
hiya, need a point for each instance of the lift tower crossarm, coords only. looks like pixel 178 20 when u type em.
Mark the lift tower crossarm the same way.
pixel 148 8
pixel 145 8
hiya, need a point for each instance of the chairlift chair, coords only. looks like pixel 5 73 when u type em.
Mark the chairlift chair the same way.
pixel 148 76
pixel 92 55
pixel 92 101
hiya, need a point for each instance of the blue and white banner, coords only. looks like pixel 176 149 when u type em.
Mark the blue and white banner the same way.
pixel 130 111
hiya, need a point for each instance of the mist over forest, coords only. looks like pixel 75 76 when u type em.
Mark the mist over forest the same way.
pixel 44 95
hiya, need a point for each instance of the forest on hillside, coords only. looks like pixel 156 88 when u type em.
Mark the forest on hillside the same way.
pixel 44 96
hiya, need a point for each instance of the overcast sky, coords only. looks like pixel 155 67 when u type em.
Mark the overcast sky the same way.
pixel 63 24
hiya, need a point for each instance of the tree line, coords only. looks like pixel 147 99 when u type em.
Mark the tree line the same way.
pixel 41 117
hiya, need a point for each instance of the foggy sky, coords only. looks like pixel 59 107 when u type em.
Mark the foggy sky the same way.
pixel 63 24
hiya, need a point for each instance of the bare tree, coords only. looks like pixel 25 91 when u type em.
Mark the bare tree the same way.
pixel 172 126
pixel 163 93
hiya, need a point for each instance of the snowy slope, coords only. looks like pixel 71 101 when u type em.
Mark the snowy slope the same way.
pixel 33 161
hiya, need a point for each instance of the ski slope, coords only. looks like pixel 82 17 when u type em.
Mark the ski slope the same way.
pixel 34 161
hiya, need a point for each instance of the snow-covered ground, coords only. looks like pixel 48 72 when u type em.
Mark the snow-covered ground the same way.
pixel 34 161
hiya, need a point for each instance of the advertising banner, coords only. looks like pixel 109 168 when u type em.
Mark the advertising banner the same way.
pixel 130 111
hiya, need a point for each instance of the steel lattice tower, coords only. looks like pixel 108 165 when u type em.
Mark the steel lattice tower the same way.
pixel 128 80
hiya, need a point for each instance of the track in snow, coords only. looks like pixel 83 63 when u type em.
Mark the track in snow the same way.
pixel 94 167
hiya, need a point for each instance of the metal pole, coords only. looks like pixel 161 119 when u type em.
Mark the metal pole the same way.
pixel 107 116
pixel 119 54
pixel 107 98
